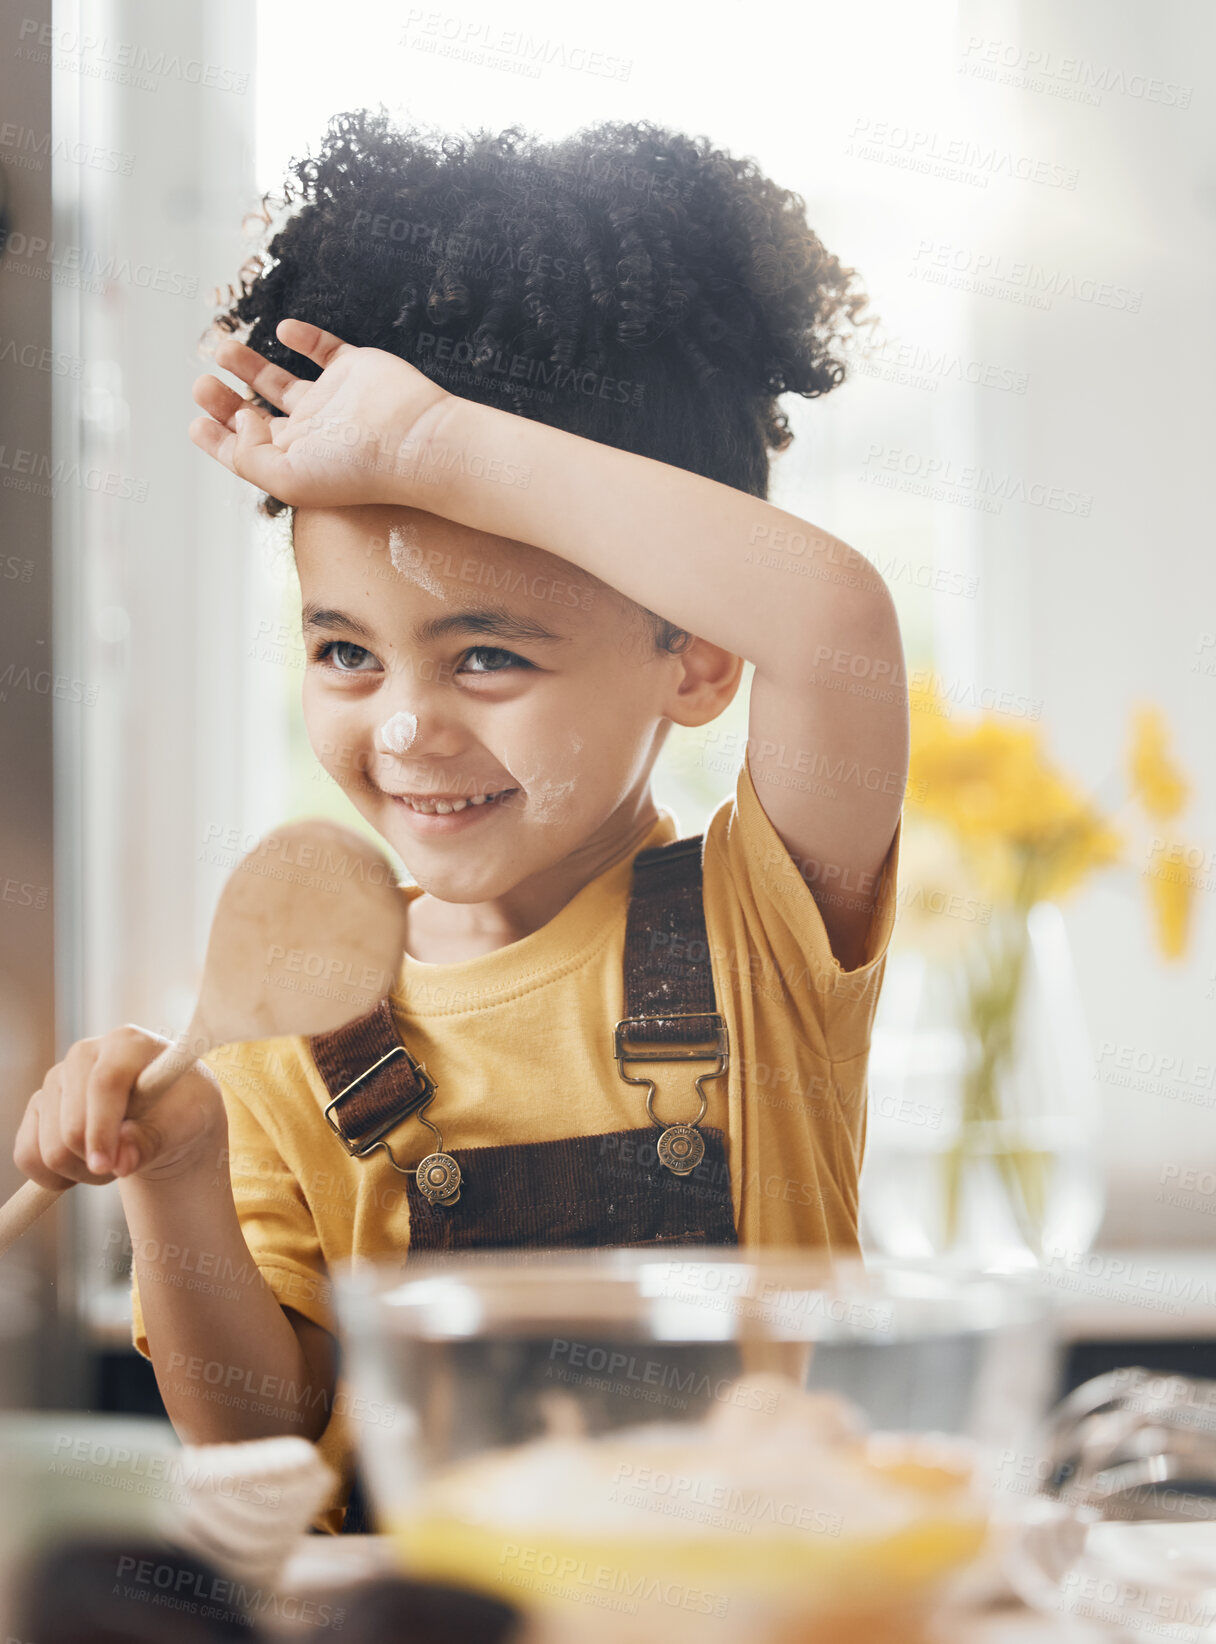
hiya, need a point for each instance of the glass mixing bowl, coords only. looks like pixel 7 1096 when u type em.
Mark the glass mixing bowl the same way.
pixel 706 1443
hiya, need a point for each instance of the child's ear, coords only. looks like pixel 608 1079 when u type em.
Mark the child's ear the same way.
pixel 707 683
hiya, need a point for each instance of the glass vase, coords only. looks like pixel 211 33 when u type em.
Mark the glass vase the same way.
pixel 983 1129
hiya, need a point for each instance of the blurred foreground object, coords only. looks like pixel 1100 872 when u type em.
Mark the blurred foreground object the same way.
pixel 710 1444
pixel 1122 1527
pixel 66 1476
pixel 112 1592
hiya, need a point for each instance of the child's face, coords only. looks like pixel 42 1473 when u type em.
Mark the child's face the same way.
pixel 571 724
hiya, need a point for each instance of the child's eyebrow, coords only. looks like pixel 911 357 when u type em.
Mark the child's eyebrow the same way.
pixel 495 620
pixel 316 616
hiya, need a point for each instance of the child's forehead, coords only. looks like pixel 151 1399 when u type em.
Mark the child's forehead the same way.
pixel 416 544
pixel 401 560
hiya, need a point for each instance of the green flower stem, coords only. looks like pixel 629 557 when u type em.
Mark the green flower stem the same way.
pixel 991 987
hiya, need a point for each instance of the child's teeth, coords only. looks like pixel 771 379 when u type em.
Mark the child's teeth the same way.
pixel 445 807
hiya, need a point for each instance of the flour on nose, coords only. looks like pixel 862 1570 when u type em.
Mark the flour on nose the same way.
pixel 405 551
pixel 397 733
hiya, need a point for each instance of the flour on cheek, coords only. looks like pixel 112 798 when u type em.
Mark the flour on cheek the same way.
pixel 548 797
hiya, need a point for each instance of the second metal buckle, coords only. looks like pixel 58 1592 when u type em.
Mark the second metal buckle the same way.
pixel 438 1175
pixel 681 1147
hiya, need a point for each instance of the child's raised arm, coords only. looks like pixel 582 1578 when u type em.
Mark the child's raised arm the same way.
pixel 828 740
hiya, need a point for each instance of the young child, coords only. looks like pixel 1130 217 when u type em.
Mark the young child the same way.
pixel 520 397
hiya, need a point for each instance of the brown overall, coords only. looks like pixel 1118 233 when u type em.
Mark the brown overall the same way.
pixel 628 1187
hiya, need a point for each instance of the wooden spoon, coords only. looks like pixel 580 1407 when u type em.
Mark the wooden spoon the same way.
pixel 309 934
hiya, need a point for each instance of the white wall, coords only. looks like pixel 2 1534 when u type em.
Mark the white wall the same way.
pixel 1096 614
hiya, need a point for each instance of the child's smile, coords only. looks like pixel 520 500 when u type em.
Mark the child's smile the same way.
pixel 430 816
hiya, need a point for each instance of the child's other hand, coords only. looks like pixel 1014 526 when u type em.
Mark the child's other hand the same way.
pixel 78 1127
pixel 355 435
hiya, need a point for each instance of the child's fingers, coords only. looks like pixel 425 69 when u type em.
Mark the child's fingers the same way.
pixel 72 1111
pixel 270 381
pixel 68 1093
pixel 107 1095
pixel 57 1154
pixel 252 431
pixel 312 342
pixel 218 400
pixel 128 1150
pixel 224 405
pixel 244 453
pixel 209 436
pixel 27 1155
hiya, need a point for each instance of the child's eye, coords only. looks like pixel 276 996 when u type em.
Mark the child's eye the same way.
pixel 345 657
pixel 512 661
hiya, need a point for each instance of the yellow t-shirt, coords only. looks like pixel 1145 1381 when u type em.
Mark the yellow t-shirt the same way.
pixel 520 1044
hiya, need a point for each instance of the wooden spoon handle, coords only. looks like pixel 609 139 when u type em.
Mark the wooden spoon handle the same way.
pixel 23 1210
pixel 167 1068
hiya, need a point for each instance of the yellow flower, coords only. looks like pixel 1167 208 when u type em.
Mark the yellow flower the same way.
pixel 1171 894
pixel 1155 778
pixel 1081 845
pixel 1028 832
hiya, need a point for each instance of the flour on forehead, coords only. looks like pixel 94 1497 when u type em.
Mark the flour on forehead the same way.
pixel 405 551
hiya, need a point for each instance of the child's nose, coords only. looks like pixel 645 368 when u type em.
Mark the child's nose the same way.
pixel 397 733
pixel 422 731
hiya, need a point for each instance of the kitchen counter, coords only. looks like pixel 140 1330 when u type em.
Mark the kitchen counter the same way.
pixel 328 1566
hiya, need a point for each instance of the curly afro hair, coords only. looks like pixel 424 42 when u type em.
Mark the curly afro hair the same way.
pixel 628 284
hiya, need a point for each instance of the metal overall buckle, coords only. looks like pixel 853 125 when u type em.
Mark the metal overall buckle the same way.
pixel 681 1147
pixel 438 1175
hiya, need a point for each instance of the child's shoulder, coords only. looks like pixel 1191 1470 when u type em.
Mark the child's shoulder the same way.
pixel 257 1070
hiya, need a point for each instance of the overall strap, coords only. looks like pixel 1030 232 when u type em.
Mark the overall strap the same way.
pixel 668 976
pixel 373 1081
pixel 669 989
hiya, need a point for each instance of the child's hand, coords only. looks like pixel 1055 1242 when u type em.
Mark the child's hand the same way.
pixel 77 1128
pixel 356 435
